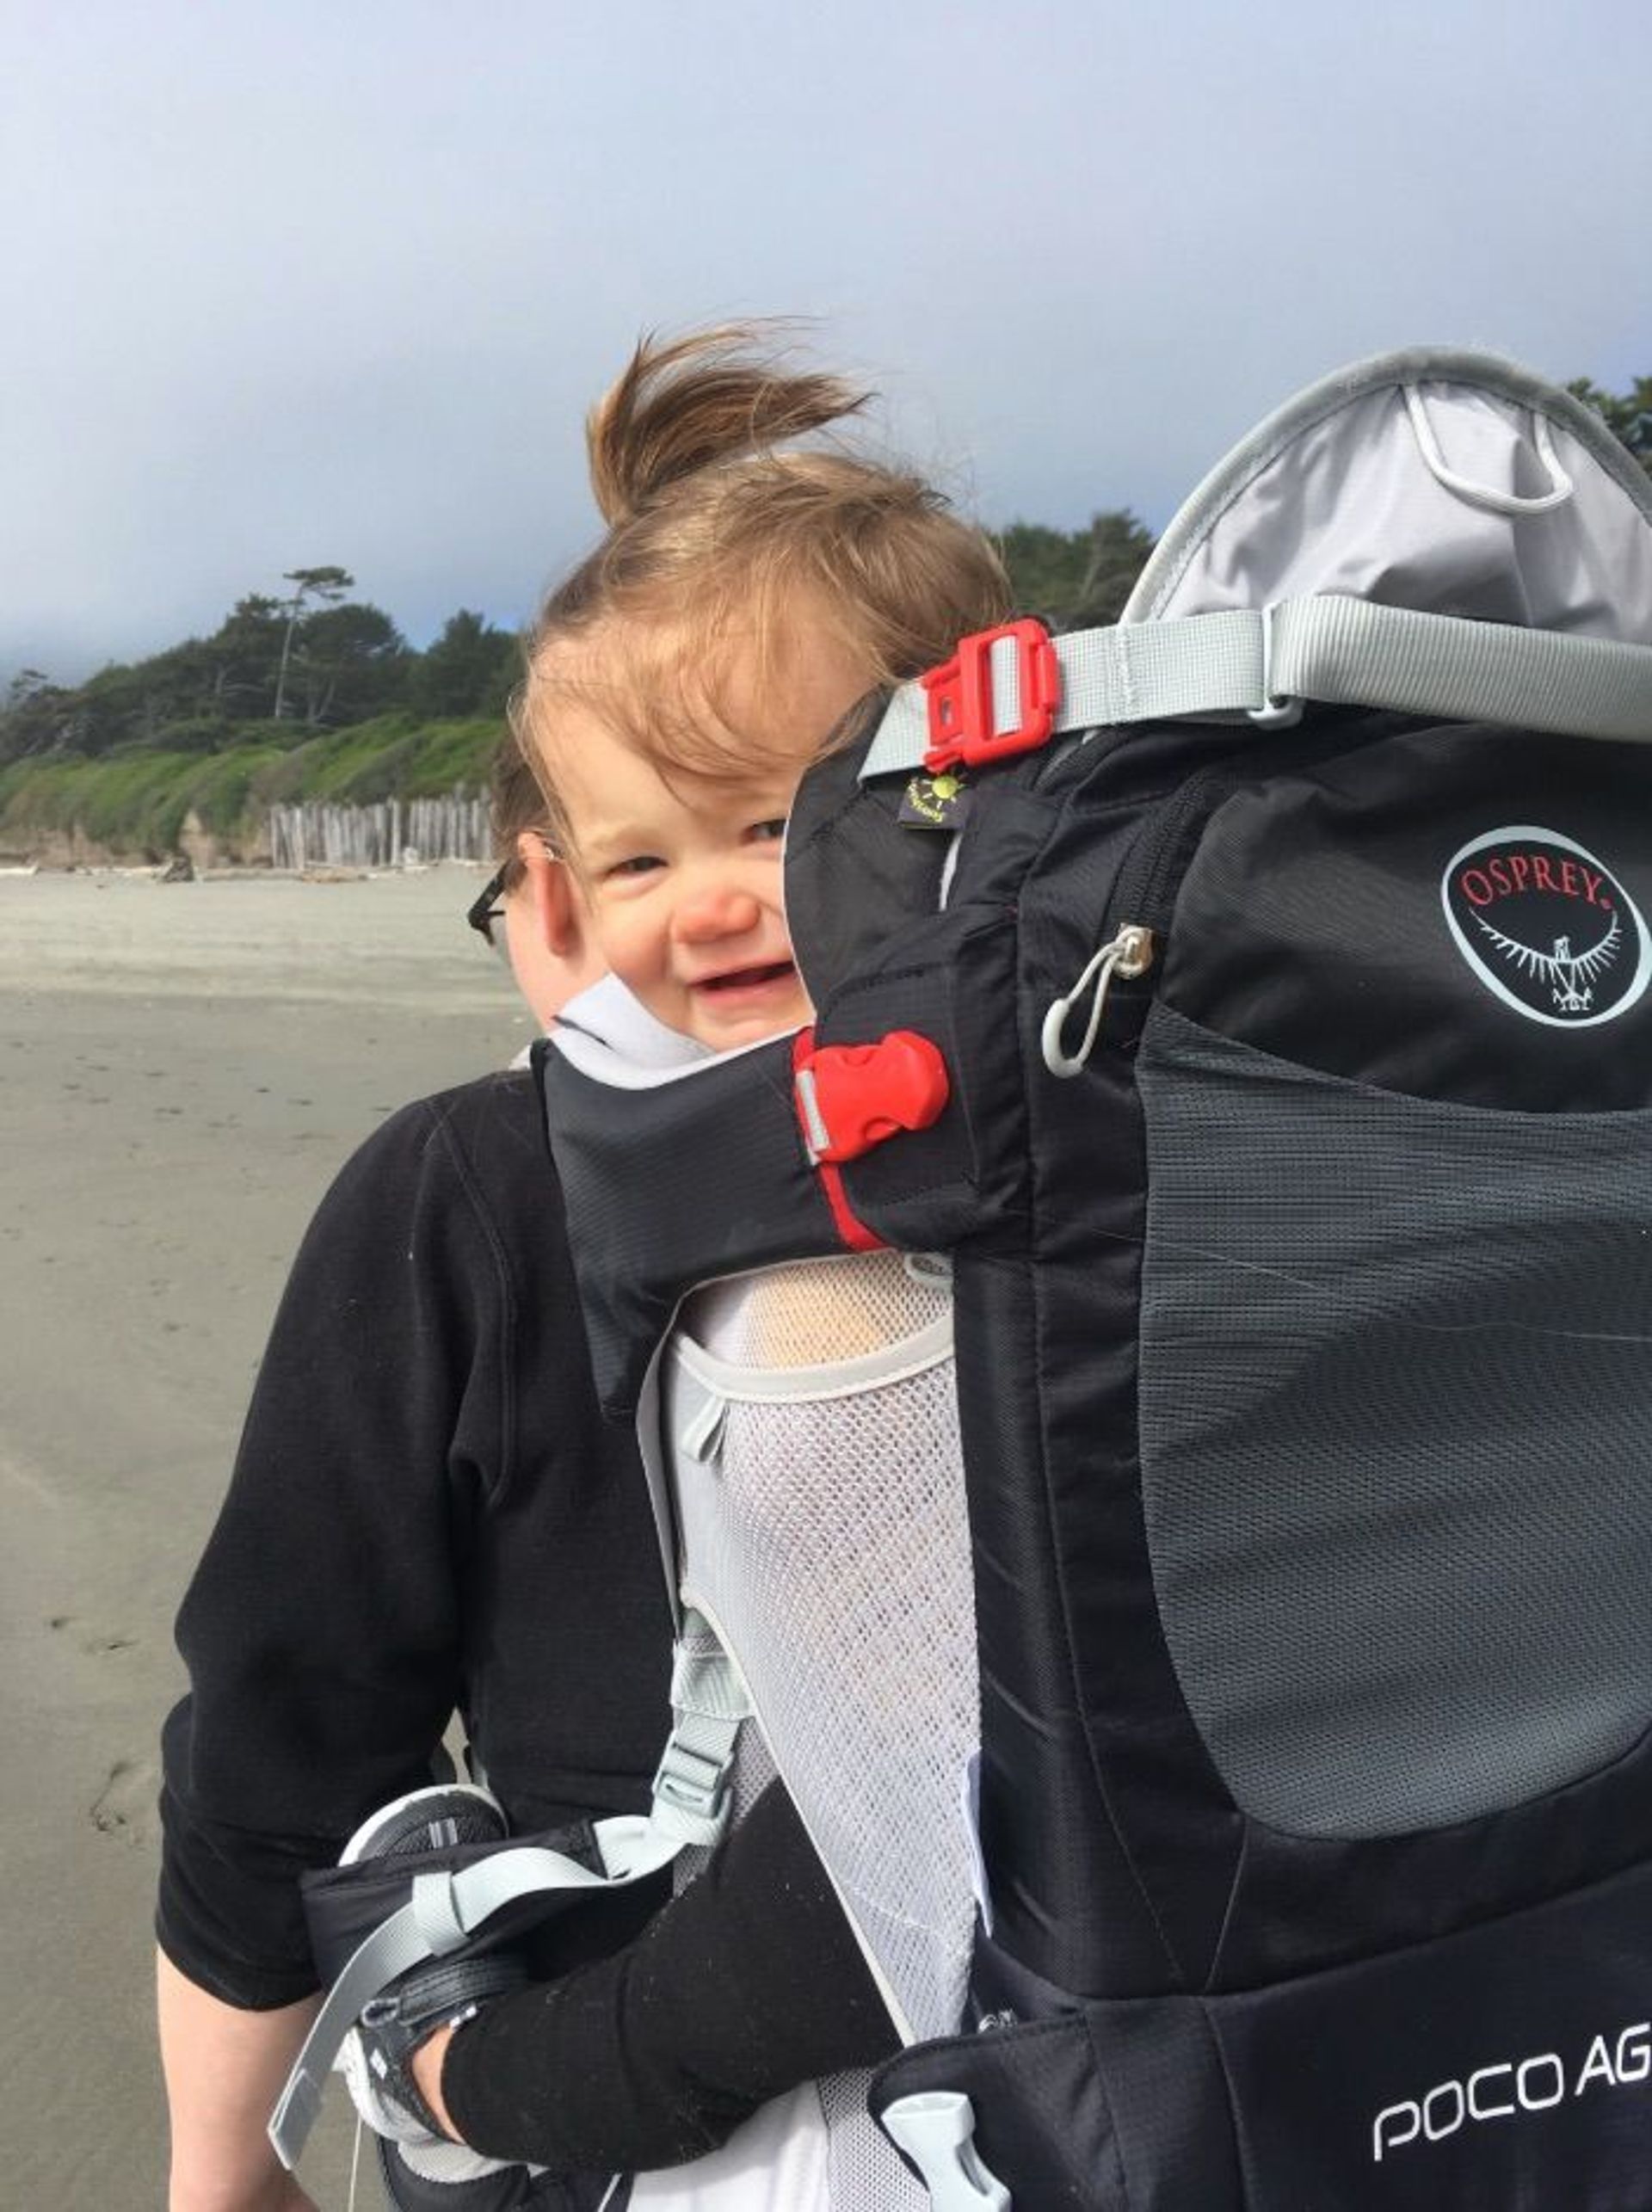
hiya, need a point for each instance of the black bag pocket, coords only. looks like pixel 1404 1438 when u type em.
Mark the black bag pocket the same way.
pixel 1112 2108
pixel 1394 1401
pixel 1504 2068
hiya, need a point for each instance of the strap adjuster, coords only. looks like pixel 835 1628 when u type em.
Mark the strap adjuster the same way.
pixel 962 727
pixel 851 1097
pixel 695 1782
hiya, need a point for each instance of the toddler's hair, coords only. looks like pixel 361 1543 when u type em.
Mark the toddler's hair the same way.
pixel 723 533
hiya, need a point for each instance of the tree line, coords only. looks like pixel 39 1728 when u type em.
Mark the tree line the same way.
pixel 277 670
pixel 282 668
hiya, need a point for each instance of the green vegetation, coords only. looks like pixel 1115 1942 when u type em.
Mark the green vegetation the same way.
pixel 136 800
pixel 1627 415
pixel 1076 579
pixel 316 695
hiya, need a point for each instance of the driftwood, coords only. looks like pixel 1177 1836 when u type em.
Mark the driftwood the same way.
pixel 396 833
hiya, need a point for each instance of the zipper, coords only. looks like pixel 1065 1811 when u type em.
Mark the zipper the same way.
pixel 1128 951
pixel 1158 855
pixel 1141 886
pixel 1137 943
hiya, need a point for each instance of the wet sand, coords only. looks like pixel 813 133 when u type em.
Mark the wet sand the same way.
pixel 182 1067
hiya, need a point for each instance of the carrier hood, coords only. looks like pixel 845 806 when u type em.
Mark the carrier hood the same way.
pixel 1449 483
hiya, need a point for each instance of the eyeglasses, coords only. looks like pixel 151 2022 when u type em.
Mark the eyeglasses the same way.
pixel 486 915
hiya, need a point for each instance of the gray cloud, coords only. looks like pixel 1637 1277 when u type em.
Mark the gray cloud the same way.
pixel 303 284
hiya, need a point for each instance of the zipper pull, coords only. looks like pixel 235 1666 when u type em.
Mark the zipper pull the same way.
pixel 1129 951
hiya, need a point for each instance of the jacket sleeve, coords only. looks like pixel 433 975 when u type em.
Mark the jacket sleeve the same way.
pixel 344 1607
pixel 746 1984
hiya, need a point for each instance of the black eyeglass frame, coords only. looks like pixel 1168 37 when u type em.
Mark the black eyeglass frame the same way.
pixel 484 909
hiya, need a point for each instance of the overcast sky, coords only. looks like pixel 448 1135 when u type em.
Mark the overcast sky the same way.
pixel 335 280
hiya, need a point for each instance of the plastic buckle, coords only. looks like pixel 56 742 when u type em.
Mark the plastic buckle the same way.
pixel 935 2128
pixel 694 1781
pixel 851 1097
pixel 961 721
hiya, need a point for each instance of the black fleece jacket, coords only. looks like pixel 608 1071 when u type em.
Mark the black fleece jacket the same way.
pixel 429 1513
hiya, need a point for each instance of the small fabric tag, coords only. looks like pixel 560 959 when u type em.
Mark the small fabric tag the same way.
pixel 938 802
pixel 969 1802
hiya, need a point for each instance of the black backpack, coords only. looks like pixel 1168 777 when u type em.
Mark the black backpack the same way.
pixel 1251 1002
pixel 1284 950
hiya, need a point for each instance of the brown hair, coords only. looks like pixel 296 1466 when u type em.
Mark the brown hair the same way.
pixel 722 530
pixel 515 802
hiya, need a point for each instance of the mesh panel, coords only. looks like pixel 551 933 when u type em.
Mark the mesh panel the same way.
pixel 864 2173
pixel 828 1539
pixel 817 1311
pixel 1394 1408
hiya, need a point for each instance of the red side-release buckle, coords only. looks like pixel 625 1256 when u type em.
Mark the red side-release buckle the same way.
pixel 851 1097
pixel 960 698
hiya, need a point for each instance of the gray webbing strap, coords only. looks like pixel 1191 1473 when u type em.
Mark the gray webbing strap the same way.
pixel 1350 652
pixel 708 1704
pixel 445 1909
pixel 1330 648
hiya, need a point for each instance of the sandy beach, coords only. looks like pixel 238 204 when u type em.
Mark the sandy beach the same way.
pixel 182 1067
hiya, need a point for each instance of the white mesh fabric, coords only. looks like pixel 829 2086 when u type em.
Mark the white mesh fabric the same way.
pixel 826 1534
pixel 813 1311
pixel 863 2169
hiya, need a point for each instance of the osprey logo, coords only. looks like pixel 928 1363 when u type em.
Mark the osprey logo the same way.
pixel 1546 927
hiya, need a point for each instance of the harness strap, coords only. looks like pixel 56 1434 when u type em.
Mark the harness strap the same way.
pixel 438 1917
pixel 708 1704
pixel 1329 648
pixel 446 1909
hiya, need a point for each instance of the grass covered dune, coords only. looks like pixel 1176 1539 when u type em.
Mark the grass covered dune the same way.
pixel 132 803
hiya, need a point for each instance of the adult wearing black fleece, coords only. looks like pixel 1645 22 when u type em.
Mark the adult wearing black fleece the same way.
pixel 428 1513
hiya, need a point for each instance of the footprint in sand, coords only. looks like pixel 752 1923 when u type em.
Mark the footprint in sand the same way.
pixel 125 1806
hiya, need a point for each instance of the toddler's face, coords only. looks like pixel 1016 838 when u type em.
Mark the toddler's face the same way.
pixel 683 879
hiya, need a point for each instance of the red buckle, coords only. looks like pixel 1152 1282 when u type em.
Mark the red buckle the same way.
pixel 960 698
pixel 851 1097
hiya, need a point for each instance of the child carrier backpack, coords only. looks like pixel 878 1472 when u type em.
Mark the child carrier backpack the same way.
pixel 1225 1716
pixel 1250 1001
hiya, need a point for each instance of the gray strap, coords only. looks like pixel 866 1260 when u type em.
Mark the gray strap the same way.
pixel 1142 672
pixel 1330 648
pixel 709 1702
pixel 631 1848
pixel 1350 652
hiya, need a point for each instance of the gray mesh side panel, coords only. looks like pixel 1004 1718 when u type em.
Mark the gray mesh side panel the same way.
pixel 1396 1417
pixel 828 1537
pixel 863 2171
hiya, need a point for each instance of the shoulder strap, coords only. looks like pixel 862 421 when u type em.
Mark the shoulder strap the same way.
pixel 1330 648
pixel 443 1911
